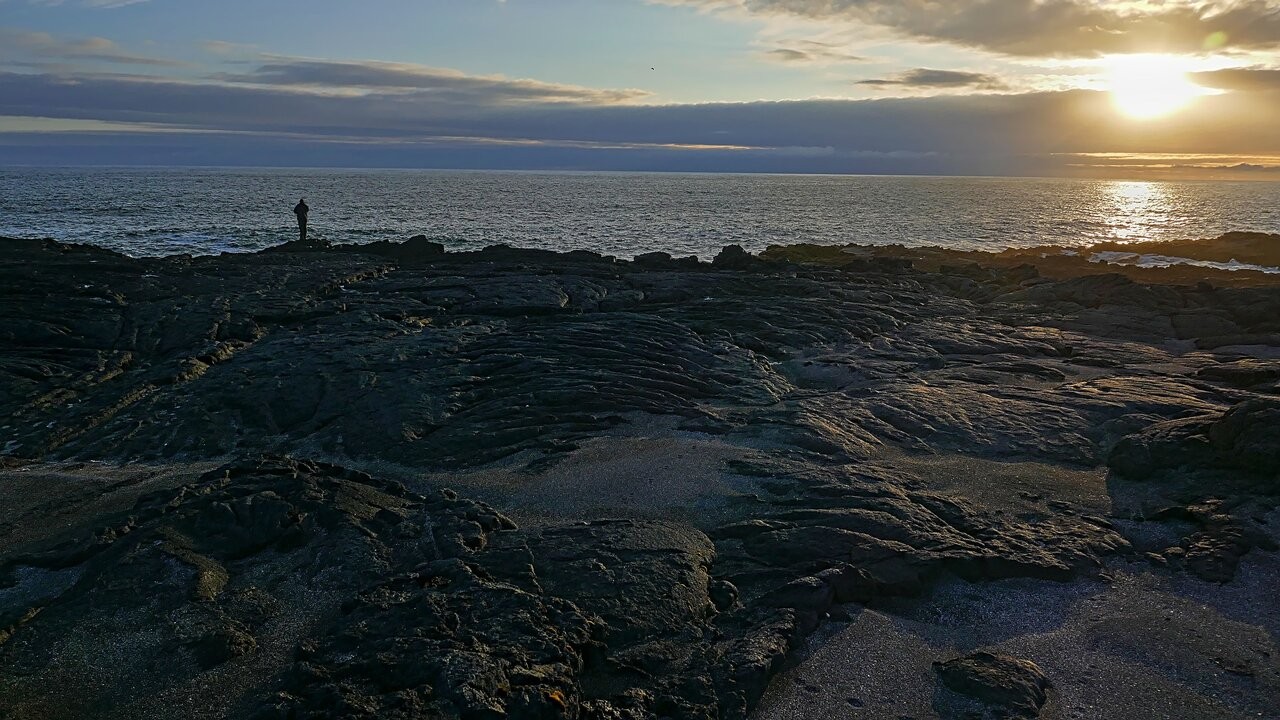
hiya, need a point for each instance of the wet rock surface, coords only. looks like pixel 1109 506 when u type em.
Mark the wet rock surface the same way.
pixel 358 584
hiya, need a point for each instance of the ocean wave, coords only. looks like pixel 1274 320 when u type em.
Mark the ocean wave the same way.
pixel 1112 257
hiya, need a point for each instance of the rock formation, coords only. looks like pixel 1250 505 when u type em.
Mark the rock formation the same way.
pixel 348 557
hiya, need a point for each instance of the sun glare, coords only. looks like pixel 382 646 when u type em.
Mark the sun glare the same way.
pixel 1145 87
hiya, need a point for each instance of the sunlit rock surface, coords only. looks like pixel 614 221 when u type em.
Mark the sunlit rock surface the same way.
pixel 392 481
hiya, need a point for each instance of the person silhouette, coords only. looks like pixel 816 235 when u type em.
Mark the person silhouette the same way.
pixel 301 211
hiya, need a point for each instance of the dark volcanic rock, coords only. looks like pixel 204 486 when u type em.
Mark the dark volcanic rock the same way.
pixel 440 642
pixel 1248 437
pixel 1164 446
pixel 1242 373
pixel 1245 438
pixel 536 627
pixel 292 588
pixel 1104 290
pixel 1002 687
pixel 857 538
pixel 340 353
pixel 1215 470
pixel 1213 552
pixel 417 249
pixel 236 567
pixel 733 257
pixel 301 589
pixel 1247 247
pixel 664 261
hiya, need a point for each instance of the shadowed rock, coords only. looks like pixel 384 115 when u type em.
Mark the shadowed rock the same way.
pixel 1215 471
pixel 1245 438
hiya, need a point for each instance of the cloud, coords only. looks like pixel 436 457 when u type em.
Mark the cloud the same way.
pixel 1254 79
pixel 440 84
pixel 301 110
pixel 810 52
pixel 788 55
pixel 930 79
pixel 43 45
pixel 102 4
pixel 1245 167
pixel 450 106
pixel 957 133
pixel 1037 28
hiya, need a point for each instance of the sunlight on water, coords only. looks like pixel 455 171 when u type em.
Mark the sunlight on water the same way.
pixel 155 211
pixel 1138 208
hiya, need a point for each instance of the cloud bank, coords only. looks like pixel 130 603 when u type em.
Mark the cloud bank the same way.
pixel 97 102
pixel 1038 28
pixel 476 122
pixel 1242 79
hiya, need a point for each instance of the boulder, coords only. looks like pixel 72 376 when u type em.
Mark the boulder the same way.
pixel 653 259
pixel 1168 445
pixel 1248 437
pixel 1243 373
pixel 1002 686
pixel 733 257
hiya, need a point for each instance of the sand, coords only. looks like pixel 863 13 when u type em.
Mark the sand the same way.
pixel 1141 645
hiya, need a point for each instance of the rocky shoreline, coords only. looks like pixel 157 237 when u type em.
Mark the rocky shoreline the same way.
pixel 390 481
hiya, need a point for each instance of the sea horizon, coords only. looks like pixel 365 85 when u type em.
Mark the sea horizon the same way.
pixel 159 210
pixel 1241 178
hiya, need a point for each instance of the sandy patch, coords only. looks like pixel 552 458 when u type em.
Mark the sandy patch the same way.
pixel 45 500
pixel 1142 646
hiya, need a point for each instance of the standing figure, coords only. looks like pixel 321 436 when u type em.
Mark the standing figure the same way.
pixel 301 211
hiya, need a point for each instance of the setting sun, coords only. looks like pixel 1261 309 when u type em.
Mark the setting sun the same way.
pixel 1149 86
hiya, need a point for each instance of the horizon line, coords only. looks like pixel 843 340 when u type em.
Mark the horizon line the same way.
pixel 588 171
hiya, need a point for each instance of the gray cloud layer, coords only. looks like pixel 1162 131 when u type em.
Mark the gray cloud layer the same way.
pixel 303 110
pixel 1047 27
pixel 928 78
pixel 442 84
pixel 987 132
pixel 1244 79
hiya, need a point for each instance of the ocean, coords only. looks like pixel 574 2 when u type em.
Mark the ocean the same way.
pixel 159 211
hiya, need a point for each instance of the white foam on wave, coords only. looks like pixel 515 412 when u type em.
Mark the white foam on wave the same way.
pixel 1112 257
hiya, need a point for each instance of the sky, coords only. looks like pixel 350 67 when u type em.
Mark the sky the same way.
pixel 1097 88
